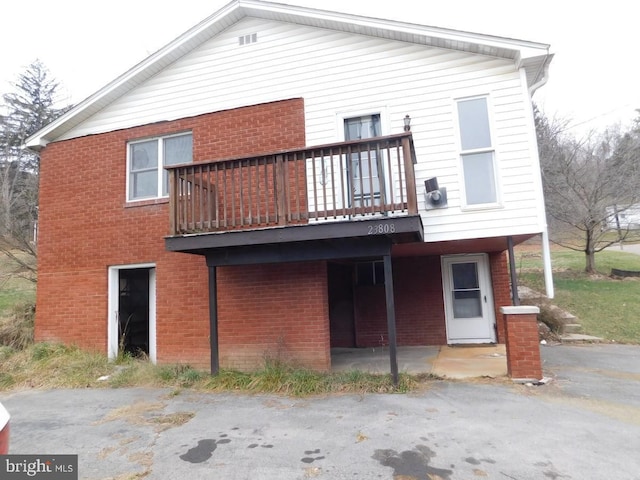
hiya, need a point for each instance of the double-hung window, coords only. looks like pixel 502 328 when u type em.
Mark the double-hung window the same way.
pixel 147 158
pixel 477 152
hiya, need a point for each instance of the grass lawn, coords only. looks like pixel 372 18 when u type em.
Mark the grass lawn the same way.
pixel 606 307
pixel 14 289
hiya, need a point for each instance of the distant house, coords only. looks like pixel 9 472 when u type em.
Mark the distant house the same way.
pixel 625 217
pixel 281 181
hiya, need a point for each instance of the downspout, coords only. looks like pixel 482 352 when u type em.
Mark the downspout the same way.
pixel 546 262
pixel 545 75
pixel 546 251
pixel 515 298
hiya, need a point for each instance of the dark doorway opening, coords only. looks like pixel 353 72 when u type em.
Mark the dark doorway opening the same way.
pixel 341 307
pixel 133 312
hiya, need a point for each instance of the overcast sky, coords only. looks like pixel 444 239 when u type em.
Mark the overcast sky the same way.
pixel 595 75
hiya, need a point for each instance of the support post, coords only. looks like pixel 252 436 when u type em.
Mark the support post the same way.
pixel 512 272
pixel 391 317
pixel 410 177
pixel 213 321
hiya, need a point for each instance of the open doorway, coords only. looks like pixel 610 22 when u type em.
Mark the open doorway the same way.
pixel 132 311
pixel 341 312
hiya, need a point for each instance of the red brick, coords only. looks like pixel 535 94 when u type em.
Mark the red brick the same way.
pixel 86 226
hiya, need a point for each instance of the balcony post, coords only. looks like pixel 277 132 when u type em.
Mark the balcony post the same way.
pixel 280 193
pixel 410 177
pixel 173 193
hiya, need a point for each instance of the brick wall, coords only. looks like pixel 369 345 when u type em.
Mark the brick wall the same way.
pixel 419 303
pixel 86 226
pixel 523 349
pixel 501 281
pixel 278 312
pixel 417 285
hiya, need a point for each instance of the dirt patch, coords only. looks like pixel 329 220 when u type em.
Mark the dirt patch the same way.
pixel 144 413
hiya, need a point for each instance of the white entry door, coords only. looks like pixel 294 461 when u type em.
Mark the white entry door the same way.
pixel 468 300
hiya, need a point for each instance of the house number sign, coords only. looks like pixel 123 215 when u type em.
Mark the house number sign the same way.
pixel 381 229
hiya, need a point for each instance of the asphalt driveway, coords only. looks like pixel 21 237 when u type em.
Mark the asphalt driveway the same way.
pixel 585 424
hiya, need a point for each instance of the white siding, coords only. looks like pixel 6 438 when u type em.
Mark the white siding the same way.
pixel 337 72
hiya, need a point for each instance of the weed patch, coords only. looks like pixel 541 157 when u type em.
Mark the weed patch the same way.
pixel 16 326
pixel 48 365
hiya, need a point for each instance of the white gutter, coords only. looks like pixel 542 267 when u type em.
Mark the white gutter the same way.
pixel 545 76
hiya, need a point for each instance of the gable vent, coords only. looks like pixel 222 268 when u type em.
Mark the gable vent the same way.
pixel 247 39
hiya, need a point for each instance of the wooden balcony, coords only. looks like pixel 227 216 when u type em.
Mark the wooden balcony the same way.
pixel 348 181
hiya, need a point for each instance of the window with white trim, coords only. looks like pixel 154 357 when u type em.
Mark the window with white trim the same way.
pixel 477 152
pixel 146 176
pixel 366 167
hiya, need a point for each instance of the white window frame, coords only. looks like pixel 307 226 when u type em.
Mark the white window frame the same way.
pixel 383 113
pixel 342 116
pixel 160 165
pixel 490 149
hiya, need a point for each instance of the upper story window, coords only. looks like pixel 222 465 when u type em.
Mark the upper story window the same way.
pixel 365 168
pixel 147 177
pixel 477 152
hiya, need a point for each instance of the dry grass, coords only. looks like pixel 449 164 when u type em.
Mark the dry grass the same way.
pixel 47 365
pixel 16 326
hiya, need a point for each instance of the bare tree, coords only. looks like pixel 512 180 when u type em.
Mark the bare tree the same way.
pixel 24 111
pixel 582 180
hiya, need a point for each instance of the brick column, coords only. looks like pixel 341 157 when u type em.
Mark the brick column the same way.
pixel 523 347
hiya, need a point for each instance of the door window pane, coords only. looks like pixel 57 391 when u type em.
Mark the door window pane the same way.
pixel 466 290
pixel 465 275
pixel 364 166
pixel 467 304
pixel 479 178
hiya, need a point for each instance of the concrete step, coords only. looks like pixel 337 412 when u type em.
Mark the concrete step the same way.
pixel 579 338
pixel 572 328
pixel 565 316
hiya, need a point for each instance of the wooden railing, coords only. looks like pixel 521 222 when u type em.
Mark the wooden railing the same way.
pixel 341 181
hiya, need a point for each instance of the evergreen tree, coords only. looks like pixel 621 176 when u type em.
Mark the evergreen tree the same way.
pixel 24 111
